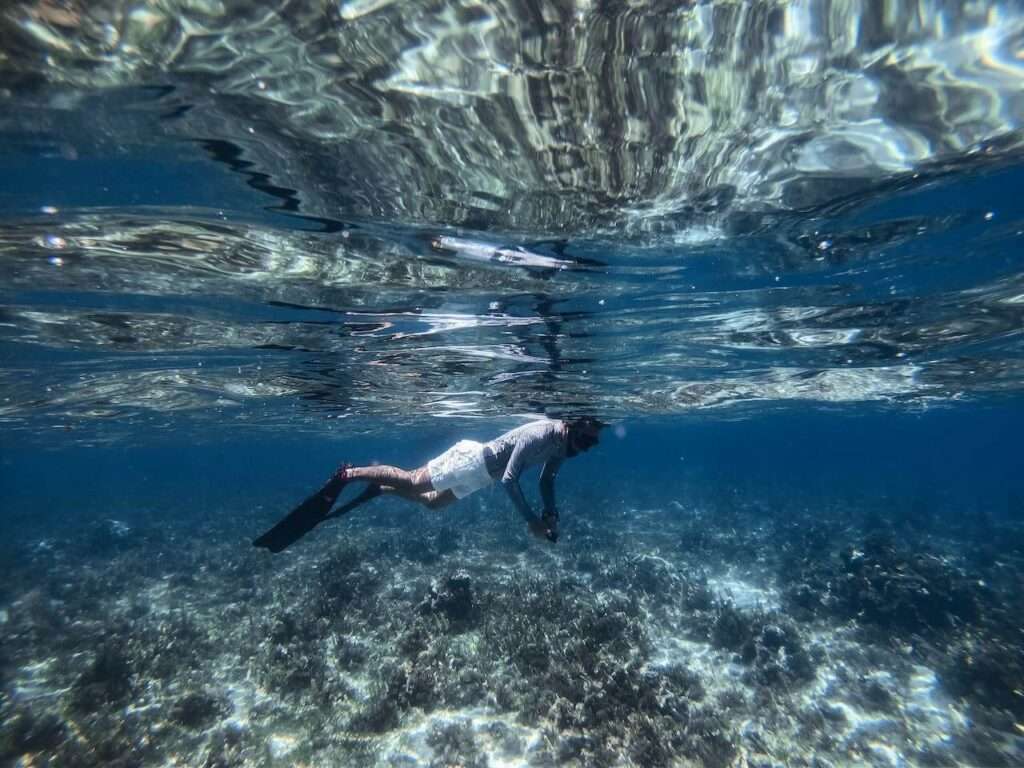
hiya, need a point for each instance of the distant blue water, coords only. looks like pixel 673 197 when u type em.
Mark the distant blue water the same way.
pixel 962 461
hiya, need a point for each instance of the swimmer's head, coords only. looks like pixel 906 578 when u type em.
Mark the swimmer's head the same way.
pixel 584 434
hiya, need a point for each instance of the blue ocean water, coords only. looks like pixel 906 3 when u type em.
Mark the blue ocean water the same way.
pixel 776 247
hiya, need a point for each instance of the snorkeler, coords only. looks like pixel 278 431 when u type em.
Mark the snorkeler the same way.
pixel 463 469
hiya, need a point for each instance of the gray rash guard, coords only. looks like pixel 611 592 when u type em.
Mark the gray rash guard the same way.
pixel 534 443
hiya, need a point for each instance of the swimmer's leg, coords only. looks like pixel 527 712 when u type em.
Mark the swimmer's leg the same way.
pixel 401 480
pixel 436 499
pixel 429 499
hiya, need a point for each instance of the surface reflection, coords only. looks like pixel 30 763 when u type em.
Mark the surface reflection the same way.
pixel 583 117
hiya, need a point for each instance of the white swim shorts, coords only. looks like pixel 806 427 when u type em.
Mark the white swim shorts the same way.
pixel 462 469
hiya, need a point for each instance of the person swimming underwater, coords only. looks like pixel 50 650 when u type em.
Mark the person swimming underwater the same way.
pixel 463 469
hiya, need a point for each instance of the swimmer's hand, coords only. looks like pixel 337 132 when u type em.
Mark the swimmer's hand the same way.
pixel 550 520
pixel 539 529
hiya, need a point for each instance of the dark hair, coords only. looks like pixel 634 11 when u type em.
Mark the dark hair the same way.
pixel 583 433
pixel 586 424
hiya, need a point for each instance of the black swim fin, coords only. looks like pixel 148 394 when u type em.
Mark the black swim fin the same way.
pixel 305 517
pixel 371 492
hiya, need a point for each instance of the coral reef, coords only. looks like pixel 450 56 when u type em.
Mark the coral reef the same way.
pixel 738 637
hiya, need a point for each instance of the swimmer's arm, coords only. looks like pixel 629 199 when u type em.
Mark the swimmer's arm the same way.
pixel 547 486
pixel 527 451
pixel 510 482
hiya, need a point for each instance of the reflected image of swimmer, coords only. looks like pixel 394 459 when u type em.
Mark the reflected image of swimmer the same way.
pixel 464 468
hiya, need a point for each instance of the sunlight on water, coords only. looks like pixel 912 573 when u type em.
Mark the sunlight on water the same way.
pixel 646 210
pixel 568 118
pixel 140 314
